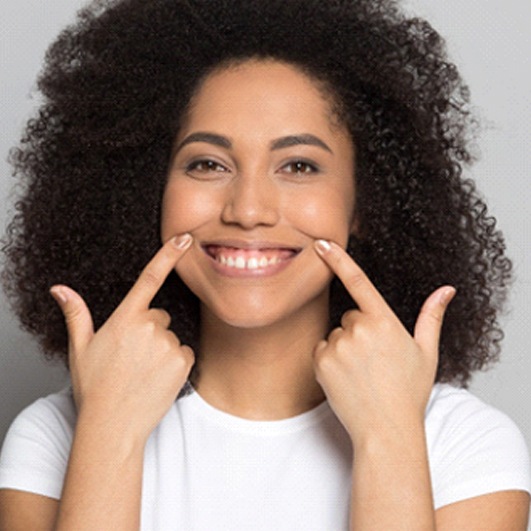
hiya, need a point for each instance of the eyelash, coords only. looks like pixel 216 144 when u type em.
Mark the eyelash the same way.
pixel 214 166
pixel 309 166
pixel 193 166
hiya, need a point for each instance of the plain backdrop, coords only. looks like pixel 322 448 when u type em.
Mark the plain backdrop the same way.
pixel 491 43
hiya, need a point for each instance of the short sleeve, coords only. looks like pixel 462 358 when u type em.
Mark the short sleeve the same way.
pixel 37 446
pixel 474 448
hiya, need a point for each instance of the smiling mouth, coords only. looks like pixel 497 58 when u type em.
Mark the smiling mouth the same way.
pixel 249 259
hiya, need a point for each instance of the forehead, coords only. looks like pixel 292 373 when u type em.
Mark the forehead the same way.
pixel 266 93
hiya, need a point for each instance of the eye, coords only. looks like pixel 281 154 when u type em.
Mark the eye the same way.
pixel 205 166
pixel 300 167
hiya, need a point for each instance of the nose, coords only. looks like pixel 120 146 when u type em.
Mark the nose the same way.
pixel 251 201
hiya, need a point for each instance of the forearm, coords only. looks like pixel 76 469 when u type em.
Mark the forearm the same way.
pixel 391 487
pixel 104 479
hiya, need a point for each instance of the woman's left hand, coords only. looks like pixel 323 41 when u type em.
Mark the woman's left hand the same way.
pixel 375 375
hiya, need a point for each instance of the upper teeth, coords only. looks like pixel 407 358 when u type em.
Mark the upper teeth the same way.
pixel 252 263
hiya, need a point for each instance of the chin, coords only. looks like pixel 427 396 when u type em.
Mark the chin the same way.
pixel 259 321
pixel 247 317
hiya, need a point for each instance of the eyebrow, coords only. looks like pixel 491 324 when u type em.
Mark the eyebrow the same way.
pixel 279 143
pixel 297 140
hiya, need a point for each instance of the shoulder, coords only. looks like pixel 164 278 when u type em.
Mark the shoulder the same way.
pixel 37 446
pixel 47 414
pixel 457 413
pixel 474 448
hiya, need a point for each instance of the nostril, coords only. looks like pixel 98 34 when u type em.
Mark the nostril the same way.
pixel 249 208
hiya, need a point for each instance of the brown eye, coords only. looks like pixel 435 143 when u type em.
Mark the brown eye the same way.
pixel 205 166
pixel 300 166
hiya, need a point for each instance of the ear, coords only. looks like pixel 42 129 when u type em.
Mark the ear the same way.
pixel 355 226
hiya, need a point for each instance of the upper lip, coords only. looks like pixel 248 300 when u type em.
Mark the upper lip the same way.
pixel 251 244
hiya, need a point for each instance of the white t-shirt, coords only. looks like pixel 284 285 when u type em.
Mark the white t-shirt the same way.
pixel 206 470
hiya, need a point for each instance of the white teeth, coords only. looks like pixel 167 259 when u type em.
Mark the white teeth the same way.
pixel 252 263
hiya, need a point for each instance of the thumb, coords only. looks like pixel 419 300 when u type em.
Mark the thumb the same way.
pixel 429 323
pixel 77 317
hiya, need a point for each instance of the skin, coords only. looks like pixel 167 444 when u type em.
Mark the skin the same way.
pixel 376 377
pixel 254 193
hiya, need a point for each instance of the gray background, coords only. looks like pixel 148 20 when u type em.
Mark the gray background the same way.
pixel 491 43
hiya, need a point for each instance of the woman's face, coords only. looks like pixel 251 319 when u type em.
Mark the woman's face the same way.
pixel 261 169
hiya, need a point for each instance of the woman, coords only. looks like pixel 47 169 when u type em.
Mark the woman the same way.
pixel 249 153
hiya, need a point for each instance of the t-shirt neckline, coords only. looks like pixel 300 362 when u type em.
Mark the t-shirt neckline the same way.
pixel 232 422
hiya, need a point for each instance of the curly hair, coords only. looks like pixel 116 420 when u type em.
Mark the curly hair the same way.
pixel 93 161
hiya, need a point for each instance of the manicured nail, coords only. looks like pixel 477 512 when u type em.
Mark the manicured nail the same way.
pixel 182 242
pixel 447 295
pixel 59 294
pixel 322 246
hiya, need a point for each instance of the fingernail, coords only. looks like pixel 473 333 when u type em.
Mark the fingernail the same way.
pixel 182 242
pixel 59 294
pixel 322 246
pixel 447 295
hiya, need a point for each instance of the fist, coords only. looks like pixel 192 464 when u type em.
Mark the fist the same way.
pixel 130 371
pixel 375 375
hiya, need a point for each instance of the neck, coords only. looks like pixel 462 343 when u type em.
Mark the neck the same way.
pixel 263 373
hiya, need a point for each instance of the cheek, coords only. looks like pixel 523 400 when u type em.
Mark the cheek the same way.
pixel 325 215
pixel 184 209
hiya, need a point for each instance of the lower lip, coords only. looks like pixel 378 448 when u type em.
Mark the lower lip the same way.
pixel 259 272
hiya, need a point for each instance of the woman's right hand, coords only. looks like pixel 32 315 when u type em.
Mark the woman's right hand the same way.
pixel 129 372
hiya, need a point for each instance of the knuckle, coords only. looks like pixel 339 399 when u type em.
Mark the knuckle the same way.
pixel 343 343
pixel 319 349
pixel 355 279
pixel 320 346
pixel 335 334
pixel 318 357
pixel 168 343
pixel 348 319
pixel 323 361
pixel 72 314
pixel 434 317
pixel 319 353
pixel 384 327
pixel 159 315
pixel 186 357
pixel 188 352
pixel 164 314
pixel 149 327
pixel 149 278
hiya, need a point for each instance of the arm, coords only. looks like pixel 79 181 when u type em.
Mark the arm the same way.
pixel 103 482
pixel 125 378
pixel 378 379
pixel 391 487
pixel 392 490
pixel 500 511
pixel 20 511
pixel 102 487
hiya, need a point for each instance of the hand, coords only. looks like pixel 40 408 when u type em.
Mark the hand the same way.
pixel 130 371
pixel 374 374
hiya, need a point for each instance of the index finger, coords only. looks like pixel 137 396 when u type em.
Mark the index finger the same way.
pixel 154 274
pixel 357 283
